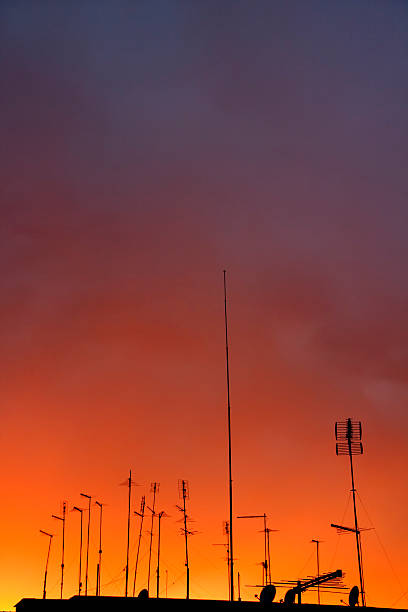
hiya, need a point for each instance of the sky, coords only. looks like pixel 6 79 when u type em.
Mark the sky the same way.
pixel 146 147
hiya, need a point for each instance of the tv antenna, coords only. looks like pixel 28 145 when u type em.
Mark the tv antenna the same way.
pixel 50 535
pixel 80 510
pixel 184 494
pixel 154 488
pixel 88 497
pixel 141 514
pixel 160 515
pixel 62 519
pixel 348 442
pixel 129 483
pixel 99 566
pixel 225 530
pixel 266 564
pixel 317 542
pixel 333 579
pixel 229 444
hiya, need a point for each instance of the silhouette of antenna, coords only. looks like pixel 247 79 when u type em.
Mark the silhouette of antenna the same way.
pixel 129 483
pixel 80 510
pixel 266 564
pixel 62 519
pixel 317 542
pixel 225 531
pixel 160 515
pixel 184 494
pixel 99 566
pixel 141 514
pixel 88 497
pixel 348 442
pixel 154 488
pixel 50 535
pixel 229 444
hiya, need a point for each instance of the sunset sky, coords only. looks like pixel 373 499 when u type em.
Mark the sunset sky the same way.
pixel 145 147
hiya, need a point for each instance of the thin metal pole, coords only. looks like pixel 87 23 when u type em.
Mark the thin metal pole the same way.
pixel 229 445
pixel 128 534
pixel 317 542
pixel 158 557
pixel 268 555
pixel 239 586
pixel 89 497
pixel 46 563
pixel 141 514
pixel 265 551
pixel 186 539
pixel 98 582
pixel 154 486
pixel 357 531
pixel 80 560
pixel 80 510
pixel 59 518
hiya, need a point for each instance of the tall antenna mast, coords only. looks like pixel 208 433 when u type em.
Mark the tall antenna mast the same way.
pixel 225 531
pixel 266 563
pixel 50 535
pixel 160 515
pixel 98 569
pixel 141 514
pixel 80 510
pixel 62 519
pixel 184 493
pixel 129 483
pixel 348 442
pixel 229 445
pixel 154 488
pixel 317 542
pixel 89 497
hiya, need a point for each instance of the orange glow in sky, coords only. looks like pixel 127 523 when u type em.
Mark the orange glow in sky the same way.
pixel 145 148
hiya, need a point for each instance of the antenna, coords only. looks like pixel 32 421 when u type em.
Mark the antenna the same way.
pixel 80 510
pixel 266 564
pixel 154 488
pixel 229 444
pixel 89 497
pixel 348 442
pixel 184 493
pixel 160 515
pixel 50 535
pixel 141 514
pixel 317 542
pixel 225 531
pixel 98 569
pixel 128 483
pixel 62 518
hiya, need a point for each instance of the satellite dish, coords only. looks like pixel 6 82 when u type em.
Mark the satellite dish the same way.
pixel 290 597
pixel 353 596
pixel 144 594
pixel 267 594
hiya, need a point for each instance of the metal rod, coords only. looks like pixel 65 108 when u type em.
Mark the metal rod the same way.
pixel 160 515
pixel 59 518
pixel 184 492
pixel 98 582
pixel 317 542
pixel 229 444
pixel 80 510
pixel 128 533
pixel 89 497
pixel 141 514
pixel 50 535
pixel 154 490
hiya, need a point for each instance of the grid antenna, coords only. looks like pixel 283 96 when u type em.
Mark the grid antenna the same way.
pixel 348 442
